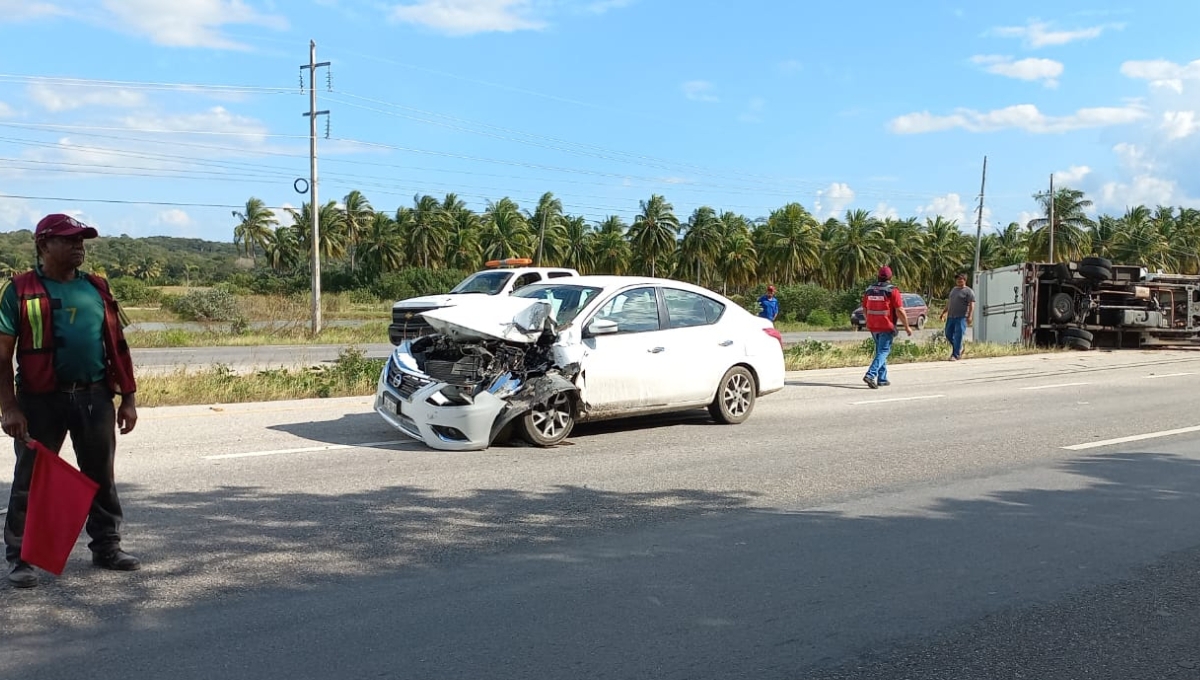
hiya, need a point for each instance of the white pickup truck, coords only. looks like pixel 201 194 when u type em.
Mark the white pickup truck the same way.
pixel 500 279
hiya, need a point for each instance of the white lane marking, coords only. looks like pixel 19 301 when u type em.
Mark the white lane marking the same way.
pixel 1167 375
pixel 1050 387
pixel 307 449
pixel 1132 438
pixel 885 401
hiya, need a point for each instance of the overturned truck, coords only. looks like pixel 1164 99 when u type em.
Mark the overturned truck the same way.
pixel 1090 303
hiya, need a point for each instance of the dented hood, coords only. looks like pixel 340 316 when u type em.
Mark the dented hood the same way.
pixel 440 300
pixel 500 318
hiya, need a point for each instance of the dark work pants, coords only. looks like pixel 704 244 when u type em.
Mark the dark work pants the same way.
pixel 90 418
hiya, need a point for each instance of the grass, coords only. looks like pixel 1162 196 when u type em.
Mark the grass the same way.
pixel 354 375
pixel 294 333
pixel 351 375
pixel 814 354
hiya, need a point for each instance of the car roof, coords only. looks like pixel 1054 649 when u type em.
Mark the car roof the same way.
pixel 608 281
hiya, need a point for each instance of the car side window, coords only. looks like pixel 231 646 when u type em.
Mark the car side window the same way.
pixel 558 275
pixel 526 279
pixel 686 309
pixel 635 311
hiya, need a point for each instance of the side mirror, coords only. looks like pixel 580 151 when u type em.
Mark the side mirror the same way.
pixel 600 327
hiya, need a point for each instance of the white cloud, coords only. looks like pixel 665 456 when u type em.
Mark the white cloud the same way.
pixel 1072 175
pixel 17 213
pixel 19 10
pixel 1161 69
pixel 1141 190
pixel 885 212
pixel 949 206
pixel 754 110
pixel 215 120
pixel 1045 70
pixel 1021 117
pixel 173 218
pixel 189 23
pixel 468 17
pixel 1025 217
pixel 5 110
pixel 1039 34
pixel 832 200
pixel 59 98
pixel 602 6
pixel 1179 124
pixel 699 91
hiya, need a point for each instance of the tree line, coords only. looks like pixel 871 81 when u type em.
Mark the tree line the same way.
pixel 721 250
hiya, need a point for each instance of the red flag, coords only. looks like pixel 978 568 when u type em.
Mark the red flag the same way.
pixel 59 500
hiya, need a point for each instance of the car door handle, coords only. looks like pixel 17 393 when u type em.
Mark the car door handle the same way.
pixel 726 343
pixel 656 350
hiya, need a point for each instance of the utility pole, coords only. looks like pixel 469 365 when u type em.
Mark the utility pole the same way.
pixel 1051 218
pixel 313 205
pixel 979 223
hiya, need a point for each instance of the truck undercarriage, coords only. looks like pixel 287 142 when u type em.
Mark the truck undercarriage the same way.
pixel 1091 303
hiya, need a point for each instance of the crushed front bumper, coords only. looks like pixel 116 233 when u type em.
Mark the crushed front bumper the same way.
pixel 407 401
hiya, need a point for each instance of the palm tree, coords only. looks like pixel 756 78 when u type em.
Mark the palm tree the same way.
pixel 283 249
pixel 579 243
pixel 1013 245
pixel 254 229
pixel 949 251
pixel 426 227
pixel 790 242
pixel 332 227
pixel 654 231
pixel 1145 239
pixel 702 241
pixel 611 253
pixel 547 220
pixel 463 250
pixel 859 250
pixel 1071 224
pixel 381 246
pixel 357 215
pixel 904 248
pixel 506 233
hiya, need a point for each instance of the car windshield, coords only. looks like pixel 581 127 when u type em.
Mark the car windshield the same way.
pixel 565 300
pixel 490 283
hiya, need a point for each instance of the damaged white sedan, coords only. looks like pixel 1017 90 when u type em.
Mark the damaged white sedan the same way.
pixel 577 350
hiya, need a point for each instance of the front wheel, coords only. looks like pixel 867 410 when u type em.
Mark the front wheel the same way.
pixel 549 423
pixel 735 397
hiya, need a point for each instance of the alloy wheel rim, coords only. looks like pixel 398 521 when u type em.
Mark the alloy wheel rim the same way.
pixel 737 394
pixel 552 418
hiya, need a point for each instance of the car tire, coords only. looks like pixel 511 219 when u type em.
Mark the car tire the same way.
pixel 734 401
pixel 549 423
pixel 1095 272
pixel 920 322
pixel 1062 308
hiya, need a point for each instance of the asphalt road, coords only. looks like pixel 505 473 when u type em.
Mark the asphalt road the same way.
pixel 996 518
pixel 169 360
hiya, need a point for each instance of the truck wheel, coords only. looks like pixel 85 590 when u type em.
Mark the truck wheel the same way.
pixel 550 422
pixel 1097 262
pixel 1078 333
pixel 1077 343
pixel 1095 272
pixel 1062 308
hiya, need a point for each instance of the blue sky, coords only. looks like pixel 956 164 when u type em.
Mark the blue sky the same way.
pixel 176 112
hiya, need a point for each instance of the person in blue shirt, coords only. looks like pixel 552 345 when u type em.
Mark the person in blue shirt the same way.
pixel 769 305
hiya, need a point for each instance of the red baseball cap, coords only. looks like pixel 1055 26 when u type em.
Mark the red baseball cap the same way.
pixel 63 225
pixel 770 289
pixel 885 272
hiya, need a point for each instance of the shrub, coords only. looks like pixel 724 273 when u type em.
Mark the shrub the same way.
pixel 217 304
pixel 819 317
pixel 129 292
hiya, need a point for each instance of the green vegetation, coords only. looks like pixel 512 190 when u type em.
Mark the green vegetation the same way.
pixel 813 354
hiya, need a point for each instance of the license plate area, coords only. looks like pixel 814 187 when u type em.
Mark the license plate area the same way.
pixel 392 404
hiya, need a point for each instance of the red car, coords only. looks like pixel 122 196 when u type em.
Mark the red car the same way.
pixel 914 307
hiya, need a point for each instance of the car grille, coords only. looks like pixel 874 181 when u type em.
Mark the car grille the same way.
pixel 405 383
pixel 466 371
pixel 409 321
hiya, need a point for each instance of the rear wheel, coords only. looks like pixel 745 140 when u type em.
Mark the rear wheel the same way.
pixel 1062 308
pixel 1095 272
pixel 549 423
pixel 920 322
pixel 735 397
pixel 1077 338
pixel 1102 262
